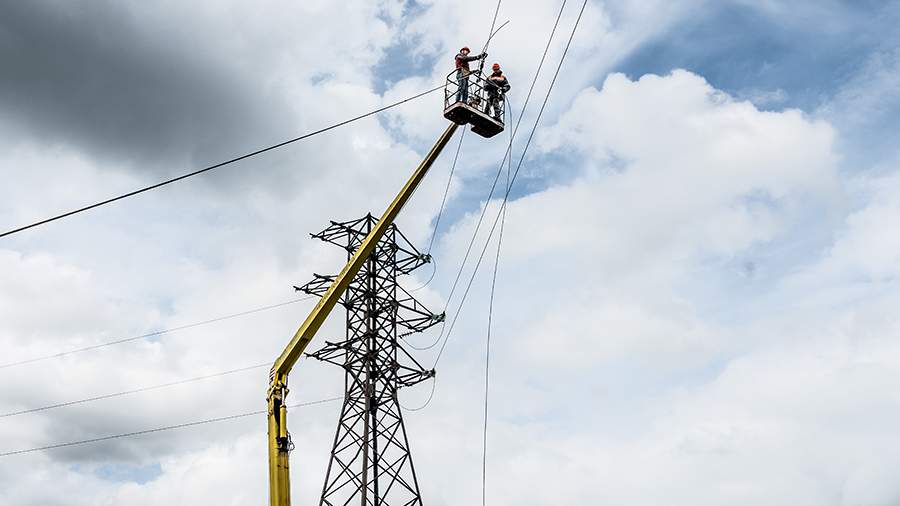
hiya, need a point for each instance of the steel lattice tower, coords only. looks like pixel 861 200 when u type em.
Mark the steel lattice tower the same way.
pixel 371 462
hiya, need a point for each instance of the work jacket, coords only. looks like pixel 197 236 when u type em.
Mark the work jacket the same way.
pixel 462 61
pixel 496 84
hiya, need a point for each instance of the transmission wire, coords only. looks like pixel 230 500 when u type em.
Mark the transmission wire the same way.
pixel 216 166
pixel 431 242
pixel 487 346
pixel 438 220
pixel 153 334
pixel 430 346
pixel 444 322
pixel 161 429
pixel 515 174
pixel 493 24
pixel 507 157
pixel 508 153
pixel 491 31
pixel 136 390
pixel 427 401
pixel 446 192
pixel 428 281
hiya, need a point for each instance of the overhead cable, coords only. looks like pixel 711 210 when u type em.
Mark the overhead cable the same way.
pixel 438 220
pixel 506 156
pixel 152 334
pixel 430 277
pixel 491 31
pixel 509 189
pixel 134 391
pixel 160 429
pixel 507 153
pixel 427 401
pixel 216 166
pixel 446 192
pixel 487 343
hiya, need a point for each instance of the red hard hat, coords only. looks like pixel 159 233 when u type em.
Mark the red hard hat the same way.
pixel 465 48
pixel 496 66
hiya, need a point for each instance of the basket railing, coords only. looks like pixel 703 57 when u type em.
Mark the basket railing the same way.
pixel 472 88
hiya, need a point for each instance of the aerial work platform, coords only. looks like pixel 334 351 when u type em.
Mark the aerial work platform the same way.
pixel 467 101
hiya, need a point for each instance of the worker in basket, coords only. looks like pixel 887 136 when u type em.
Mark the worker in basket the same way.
pixel 496 87
pixel 462 73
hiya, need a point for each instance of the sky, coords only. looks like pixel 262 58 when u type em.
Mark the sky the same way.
pixel 697 289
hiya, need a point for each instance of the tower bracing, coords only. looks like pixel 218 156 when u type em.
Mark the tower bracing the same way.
pixel 371 462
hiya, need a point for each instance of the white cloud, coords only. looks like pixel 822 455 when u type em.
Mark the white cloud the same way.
pixel 625 380
pixel 869 95
pixel 632 364
pixel 854 252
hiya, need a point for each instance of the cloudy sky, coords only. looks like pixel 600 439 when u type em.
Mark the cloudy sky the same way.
pixel 698 291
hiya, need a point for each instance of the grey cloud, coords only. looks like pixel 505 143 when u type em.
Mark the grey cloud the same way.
pixel 99 76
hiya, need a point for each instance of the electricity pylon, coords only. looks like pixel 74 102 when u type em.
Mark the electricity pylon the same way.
pixel 371 462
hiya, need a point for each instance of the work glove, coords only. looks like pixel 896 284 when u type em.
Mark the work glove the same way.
pixel 482 56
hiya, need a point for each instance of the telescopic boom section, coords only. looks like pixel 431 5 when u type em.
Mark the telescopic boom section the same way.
pixel 279 439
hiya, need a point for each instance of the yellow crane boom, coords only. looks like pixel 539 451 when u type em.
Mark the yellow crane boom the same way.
pixel 279 444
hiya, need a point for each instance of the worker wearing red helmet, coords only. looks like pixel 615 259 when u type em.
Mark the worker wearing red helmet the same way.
pixel 496 87
pixel 462 72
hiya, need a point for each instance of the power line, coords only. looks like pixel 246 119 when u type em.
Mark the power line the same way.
pixel 433 344
pixel 216 166
pixel 493 24
pixel 428 281
pixel 507 153
pixel 512 181
pixel 491 30
pixel 438 220
pixel 487 344
pixel 491 34
pixel 433 262
pixel 160 429
pixel 152 334
pixel 134 391
pixel 427 401
pixel 507 159
pixel 446 192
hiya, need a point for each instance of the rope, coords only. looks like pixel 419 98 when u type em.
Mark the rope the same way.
pixel 216 166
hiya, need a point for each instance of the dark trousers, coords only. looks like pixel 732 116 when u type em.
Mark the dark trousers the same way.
pixel 495 102
pixel 462 82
